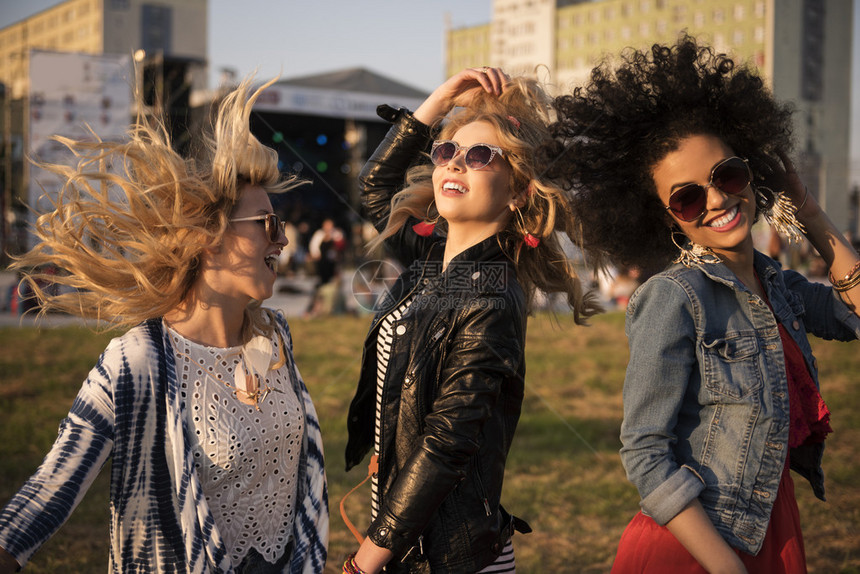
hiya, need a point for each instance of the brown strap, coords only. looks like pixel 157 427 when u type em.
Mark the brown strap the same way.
pixel 372 468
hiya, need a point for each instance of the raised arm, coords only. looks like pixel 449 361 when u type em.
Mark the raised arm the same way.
pixel 837 252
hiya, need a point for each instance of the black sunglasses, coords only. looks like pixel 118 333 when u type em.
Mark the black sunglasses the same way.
pixel 477 156
pixel 274 225
pixel 731 175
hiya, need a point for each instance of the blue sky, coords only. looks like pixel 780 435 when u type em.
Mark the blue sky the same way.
pixel 401 39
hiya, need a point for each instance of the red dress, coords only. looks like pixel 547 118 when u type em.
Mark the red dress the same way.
pixel 647 547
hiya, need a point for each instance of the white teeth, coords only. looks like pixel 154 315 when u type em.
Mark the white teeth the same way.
pixel 453 186
pixel 724 220
pixel 270 261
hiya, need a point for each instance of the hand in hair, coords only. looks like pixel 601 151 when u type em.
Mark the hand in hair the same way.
pixel 460 90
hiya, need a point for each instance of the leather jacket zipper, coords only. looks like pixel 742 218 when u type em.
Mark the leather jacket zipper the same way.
pixel 413 374
pixel 419 546
pixel 481 491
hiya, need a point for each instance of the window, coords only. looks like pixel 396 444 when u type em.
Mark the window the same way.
pixel 812 50
pixel 156 32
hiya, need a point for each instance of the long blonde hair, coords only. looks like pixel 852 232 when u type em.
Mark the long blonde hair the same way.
pixel 520 116
pixel 129 226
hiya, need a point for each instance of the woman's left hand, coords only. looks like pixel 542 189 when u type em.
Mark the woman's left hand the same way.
pixel 833 246
pixel 795 189
pixel 459 90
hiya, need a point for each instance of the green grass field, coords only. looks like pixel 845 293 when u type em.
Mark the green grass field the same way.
pixel 564 475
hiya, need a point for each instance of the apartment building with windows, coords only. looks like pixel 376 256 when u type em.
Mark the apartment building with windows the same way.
pixel 167 28
pixel 166 38
pixel 561 40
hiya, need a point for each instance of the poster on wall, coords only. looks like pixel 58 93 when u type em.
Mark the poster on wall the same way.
pixel 73 95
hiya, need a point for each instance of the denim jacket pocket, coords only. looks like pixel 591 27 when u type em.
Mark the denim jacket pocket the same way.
pixel 730 365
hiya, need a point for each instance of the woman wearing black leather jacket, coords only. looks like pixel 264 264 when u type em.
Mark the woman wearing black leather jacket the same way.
pixel 441 383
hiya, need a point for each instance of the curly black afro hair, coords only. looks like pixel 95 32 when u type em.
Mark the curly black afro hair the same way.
pixel 610 134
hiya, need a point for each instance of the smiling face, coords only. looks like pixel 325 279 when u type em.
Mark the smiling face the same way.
pixel 244 266
pixel 725 226
pixel 474 201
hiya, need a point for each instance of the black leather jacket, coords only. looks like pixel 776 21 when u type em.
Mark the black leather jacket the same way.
pixel 453 388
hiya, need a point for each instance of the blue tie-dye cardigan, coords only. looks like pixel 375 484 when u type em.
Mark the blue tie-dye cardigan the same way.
pixel 129 409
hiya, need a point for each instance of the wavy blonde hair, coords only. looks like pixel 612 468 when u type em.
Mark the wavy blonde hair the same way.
pixel 129 226
pixel 520 116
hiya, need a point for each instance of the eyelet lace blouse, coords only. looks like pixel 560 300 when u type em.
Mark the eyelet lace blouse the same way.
pixel 247 460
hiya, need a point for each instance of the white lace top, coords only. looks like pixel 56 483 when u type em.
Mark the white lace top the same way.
pixel 247 460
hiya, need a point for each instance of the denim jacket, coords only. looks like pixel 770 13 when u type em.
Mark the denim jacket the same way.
pixel 706 406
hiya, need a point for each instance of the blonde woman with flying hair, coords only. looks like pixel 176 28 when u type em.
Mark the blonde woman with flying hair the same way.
pixel 441 384
pixel 217 461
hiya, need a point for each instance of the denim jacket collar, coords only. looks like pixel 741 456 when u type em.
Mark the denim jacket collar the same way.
pixel 767 274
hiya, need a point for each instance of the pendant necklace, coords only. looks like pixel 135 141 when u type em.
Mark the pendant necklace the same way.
pixel 255 357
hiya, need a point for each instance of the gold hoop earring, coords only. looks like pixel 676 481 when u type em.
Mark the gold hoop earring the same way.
pixel 692 254
pixel 425 228
pixel 529 239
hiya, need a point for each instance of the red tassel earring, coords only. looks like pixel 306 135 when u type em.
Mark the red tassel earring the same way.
pixel 528 238
pixel 425 228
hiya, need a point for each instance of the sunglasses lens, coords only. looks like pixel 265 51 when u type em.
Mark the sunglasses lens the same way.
pixel 273 227
pixel 478 156
pixel 442 153
pixel 688 203
pixel 732 177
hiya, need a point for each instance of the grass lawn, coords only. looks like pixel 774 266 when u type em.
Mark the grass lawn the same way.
pixel 564 475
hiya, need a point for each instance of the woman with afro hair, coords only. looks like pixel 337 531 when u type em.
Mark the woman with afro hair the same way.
pixel 671 157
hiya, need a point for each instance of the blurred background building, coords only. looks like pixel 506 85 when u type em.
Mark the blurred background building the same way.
pixel 59 71
pixel 78 54
pixel 324 125
pixel 802 48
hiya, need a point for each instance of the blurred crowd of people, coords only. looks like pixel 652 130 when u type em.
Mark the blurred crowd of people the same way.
pixel 328 253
